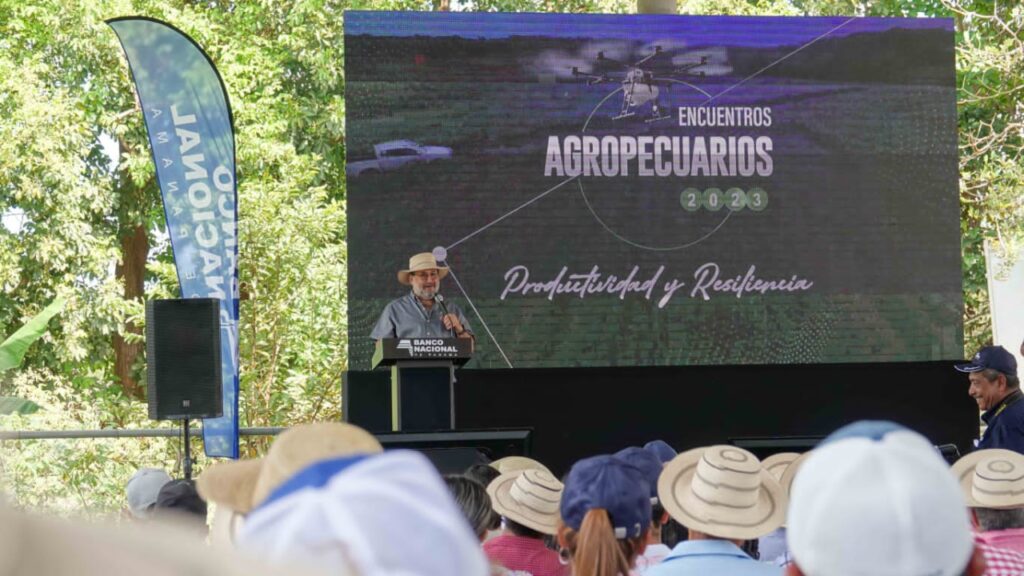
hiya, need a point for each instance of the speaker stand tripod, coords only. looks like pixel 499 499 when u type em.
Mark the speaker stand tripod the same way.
pixel 187 459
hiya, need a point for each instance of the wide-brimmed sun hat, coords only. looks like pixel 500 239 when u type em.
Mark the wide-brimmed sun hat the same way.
pixel 241 485
pixel 992 478
pixel 722 491
pixel 516 463
pixel 776 464
pixel 420 262
pixel 528 497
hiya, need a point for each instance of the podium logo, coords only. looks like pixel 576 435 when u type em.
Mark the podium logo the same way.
pixel 406 345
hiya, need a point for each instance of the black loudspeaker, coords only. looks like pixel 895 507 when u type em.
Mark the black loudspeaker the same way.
pixel 183 367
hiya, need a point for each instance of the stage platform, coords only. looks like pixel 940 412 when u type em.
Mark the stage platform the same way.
pixel 578 412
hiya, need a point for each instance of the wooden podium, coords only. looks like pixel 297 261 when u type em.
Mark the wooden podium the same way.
pixel 422 380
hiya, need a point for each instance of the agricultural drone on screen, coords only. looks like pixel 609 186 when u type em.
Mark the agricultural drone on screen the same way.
pixel 642 80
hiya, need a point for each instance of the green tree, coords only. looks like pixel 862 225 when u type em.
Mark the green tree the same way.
pixel 990 76
pixel 92 221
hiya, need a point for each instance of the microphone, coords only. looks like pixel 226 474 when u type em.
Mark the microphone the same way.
pixel 440 300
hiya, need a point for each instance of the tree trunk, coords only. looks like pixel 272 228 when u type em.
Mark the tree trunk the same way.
pixel 132 271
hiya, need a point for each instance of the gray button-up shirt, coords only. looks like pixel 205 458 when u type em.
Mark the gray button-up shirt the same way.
pixel 405 317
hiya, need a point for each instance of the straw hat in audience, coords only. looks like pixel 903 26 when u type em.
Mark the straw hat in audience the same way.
pixel 722 491
pixel 515 463
pixel 528 497
pixel 992 478
pixel 241 485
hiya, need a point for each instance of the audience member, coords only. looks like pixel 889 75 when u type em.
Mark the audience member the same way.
pixel 672 532
pixel 992 482
pixel 661 450
pixel 606 514
pixel 237 487
pixel 179 501
pixel 32 545
pixel 528 502
pixel 143 489
pixel 772 546
pixel 650 466
pixel 877 499
pixel 482 473
pixel 517 463
pixel 474 502
pixel 724 497
pixel 996 388
pixel 485 474
pixel 242 484
pixel 373 514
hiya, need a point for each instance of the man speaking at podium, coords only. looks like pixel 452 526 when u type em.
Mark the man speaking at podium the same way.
pixel 422 313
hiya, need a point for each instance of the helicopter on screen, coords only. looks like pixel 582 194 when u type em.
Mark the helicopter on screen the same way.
pixel 643 80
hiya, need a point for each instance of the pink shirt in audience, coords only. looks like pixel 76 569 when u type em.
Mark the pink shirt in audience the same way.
pixel 520 554
pixel 999 561
pixel 1012 539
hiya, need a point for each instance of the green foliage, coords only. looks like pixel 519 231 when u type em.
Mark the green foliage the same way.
pixel 13 349
pixel 990 76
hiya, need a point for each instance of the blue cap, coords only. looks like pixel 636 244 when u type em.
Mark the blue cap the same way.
pixel 994 357
pixel 647 463
pixel 662 450
pixel 610 483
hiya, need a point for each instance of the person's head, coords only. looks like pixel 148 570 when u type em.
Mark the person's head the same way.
pixel 517 463
pixel 993 376
pixel 661 450
pixel 650 466
pixel 722 492
pixel 387 513
pixel 992 483
pixel 884 504
pixel 482 473
pixel 606 513
pixel 243 484
pixel 179 499
pixel 527 499
pixel 473 501
pixel 423 275
pixel 143 489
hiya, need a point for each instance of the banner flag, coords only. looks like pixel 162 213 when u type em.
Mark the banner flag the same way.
pixel 189 123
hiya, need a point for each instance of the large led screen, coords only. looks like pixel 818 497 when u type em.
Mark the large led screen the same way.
pixel 659 190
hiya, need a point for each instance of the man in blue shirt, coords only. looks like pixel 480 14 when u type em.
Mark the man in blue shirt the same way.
pixel 421 313
pixel 996 388
pixel 723 497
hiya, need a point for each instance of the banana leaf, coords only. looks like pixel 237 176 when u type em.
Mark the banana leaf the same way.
pixel 11 405
pixel 12 351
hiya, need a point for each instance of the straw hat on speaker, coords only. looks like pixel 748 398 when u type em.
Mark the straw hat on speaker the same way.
pixel 516 463
pixel 243 484
pixel 528 497
pixel 420 262
pixel 992 478
pixel 722 491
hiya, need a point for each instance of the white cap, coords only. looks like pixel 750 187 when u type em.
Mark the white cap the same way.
pixel 142 490
pixel 385 514
pixel 886 507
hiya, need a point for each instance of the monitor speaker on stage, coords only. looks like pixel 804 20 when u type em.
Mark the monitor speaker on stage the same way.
pixel 183 361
